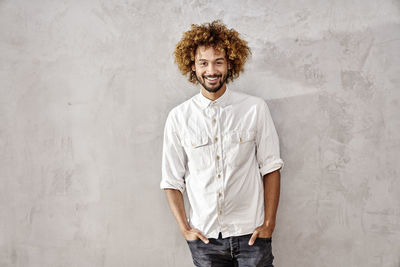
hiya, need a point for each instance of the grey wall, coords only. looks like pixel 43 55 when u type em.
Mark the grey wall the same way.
pixel 85 87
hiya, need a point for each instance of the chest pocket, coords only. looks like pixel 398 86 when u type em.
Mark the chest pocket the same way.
pixel 240 147
pixel 198 152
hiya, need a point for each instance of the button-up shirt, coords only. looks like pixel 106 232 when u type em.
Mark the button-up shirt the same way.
pixel 218 152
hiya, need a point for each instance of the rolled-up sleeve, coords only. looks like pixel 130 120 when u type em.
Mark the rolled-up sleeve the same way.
pixel 268 155
pixel 173 158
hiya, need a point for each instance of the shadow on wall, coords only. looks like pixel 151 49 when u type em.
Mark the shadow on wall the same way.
pixel 338 141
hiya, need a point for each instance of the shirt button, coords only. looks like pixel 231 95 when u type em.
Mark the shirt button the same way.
pixel 220 212
pixel 240 139
pixel 217 157
pixel 216 139
pixel 214 120
pixel 219 176
pixel 219 194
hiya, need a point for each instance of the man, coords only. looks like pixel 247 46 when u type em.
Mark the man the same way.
pixel 221 147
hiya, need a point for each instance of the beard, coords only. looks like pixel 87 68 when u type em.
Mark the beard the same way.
pixel 202 81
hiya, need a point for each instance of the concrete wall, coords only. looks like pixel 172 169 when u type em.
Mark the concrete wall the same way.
pixel 85 87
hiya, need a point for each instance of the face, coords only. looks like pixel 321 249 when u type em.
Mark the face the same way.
pixel 211 68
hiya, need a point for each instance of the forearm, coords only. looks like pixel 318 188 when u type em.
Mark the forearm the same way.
pixel 175 201
pixel 272 183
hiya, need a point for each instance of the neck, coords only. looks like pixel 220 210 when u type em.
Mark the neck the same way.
pixel 213 96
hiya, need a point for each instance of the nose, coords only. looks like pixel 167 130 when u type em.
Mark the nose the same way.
pixel 210 69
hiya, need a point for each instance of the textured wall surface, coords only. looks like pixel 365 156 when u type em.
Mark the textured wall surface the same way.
pixel 85 87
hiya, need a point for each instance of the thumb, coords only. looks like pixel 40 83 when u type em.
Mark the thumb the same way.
pixel 253 238
pixel 203 238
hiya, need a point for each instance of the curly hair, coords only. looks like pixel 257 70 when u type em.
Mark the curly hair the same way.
pixel 217 35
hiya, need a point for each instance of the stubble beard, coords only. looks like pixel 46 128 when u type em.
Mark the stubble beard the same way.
pixel 212 90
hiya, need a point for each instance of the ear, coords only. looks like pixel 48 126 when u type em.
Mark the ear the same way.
pixel 193 68
pixel 229 65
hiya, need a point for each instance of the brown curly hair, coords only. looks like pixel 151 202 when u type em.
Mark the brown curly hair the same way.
pixel 217 35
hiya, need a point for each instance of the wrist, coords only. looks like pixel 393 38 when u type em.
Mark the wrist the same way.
pixel 185 229
pixel 269 224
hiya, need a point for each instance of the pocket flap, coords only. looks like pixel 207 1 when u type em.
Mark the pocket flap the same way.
pixel 196 141
pixel 242 137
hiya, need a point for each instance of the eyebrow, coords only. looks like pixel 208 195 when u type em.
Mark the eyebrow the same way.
pixel 220 58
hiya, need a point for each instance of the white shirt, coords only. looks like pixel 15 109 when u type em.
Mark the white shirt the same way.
pixel 219 152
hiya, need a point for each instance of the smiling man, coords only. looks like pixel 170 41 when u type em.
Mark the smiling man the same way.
pixel 211 69
pixel 222 149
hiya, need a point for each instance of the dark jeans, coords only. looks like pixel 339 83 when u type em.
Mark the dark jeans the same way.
pixel 232 251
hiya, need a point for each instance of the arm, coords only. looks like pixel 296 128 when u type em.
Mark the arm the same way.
pixel 175 201
pixel 272 183
pixel 270 164
pixel 173 170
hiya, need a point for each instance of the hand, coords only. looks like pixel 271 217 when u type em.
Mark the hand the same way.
pixel 262 231
pixel 194 234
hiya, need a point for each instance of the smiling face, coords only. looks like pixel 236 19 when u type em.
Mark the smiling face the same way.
pixel 211 68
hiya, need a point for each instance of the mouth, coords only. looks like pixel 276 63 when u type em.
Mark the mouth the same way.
pixel 212 79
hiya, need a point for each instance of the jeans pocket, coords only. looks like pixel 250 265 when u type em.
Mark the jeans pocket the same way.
pixel 192 241
pixel 265 239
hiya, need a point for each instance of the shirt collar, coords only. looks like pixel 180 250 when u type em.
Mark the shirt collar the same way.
pixel 222 100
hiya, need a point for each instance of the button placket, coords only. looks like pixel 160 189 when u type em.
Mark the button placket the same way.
pixel 218 165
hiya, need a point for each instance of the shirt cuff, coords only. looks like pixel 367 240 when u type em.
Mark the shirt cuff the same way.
pixel 271 166
pixel 171 185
